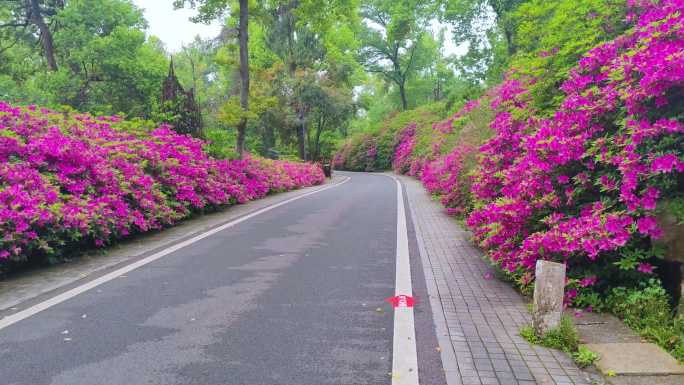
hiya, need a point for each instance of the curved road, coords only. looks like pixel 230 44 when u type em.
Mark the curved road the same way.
pixel 290 295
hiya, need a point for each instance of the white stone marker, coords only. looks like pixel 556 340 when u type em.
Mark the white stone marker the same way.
pixel 549 286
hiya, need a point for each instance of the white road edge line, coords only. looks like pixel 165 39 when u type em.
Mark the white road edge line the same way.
pixel 404 355
pixel 28 312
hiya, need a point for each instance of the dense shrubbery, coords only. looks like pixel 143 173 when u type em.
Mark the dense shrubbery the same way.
pixel 645 309
pixel 583 185
pixel 580 183
pixel 374 150
pixel 70 179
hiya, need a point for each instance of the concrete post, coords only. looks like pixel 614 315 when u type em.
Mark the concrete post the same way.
pixel 549 287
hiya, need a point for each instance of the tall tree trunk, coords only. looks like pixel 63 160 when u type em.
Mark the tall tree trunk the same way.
pixel 402 93
pixel 268 137
pixel 244 74
pixel 301 133
pixel 510 45
pixel 317 143
pixel 45 34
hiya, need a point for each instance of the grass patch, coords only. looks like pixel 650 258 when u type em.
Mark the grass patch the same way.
pixel 647 311
pixel 564 338
pixel 584 357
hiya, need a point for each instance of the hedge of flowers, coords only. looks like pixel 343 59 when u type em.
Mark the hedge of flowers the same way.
pixel 70 179
pixel 584 185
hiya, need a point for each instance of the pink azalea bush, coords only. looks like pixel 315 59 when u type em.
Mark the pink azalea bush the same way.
pixel 445 177
pixel 403 152
pixel 69 179
pixel 583 185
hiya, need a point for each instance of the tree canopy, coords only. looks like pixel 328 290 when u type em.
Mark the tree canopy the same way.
pixel 301 75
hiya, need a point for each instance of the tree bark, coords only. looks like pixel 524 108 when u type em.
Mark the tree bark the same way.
pixel 402 93
pixel 268 137
pixel 244 74
pixel 317 143
pixel 301 133
pixel 510 45
pixel 45 34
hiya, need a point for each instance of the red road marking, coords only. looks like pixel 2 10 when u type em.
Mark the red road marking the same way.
pixel 401 301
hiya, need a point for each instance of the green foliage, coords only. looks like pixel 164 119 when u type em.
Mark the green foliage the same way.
pixel 527 332
pixel 646 309
pixel 564 338
pixel 489 30
pixel 383 137
pixel 584 357
pixel 221 143
pixel 105 64
pixel 675 206
pixel 551 36
pixel 396 44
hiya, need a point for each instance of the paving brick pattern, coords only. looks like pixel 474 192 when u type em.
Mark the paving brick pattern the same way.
pixel 478 317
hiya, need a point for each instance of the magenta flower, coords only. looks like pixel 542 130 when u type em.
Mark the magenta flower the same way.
pixel 665 163
pixel 588 281
pixel 649 226
pixel 645 268
pixel 90 179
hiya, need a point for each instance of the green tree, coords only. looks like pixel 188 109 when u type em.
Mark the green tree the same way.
pixel 32 19
pixel 553 36
pixel 197 67
pixel 108 65
pixel 210 9
pixel 396 44
pixel 488 29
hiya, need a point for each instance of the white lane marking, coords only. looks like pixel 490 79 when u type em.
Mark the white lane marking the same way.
pixel 405 358
pixel 28 312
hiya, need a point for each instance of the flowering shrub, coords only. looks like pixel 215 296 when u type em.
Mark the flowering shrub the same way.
pixel 589 174
pixel 375 150
pixel 576 174
pixel 582 186
pixel 401 162
pixel 444 177
pixel 68 179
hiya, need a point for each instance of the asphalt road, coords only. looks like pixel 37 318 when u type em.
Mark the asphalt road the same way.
pixel 294 295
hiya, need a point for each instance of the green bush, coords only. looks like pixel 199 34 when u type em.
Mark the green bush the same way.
pixel 646 309
pixel 355 155
pixel 584 357
pixel 564 337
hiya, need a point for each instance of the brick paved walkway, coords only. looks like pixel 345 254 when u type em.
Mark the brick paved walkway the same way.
pixel 478 317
